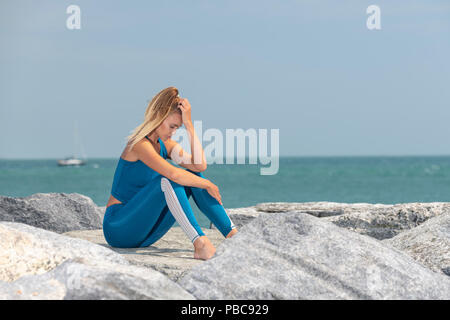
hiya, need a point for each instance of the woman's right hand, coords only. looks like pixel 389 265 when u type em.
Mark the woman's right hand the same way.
pixel 213 190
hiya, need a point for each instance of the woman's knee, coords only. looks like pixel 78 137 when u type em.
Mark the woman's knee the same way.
pixel 167 184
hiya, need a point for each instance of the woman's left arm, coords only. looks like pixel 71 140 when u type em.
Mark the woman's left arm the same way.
pixel 198 156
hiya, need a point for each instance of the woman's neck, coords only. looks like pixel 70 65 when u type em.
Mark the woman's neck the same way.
pixel 153 137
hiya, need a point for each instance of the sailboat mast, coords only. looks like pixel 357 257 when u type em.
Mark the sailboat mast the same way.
pixel 77 140
pixel 74 155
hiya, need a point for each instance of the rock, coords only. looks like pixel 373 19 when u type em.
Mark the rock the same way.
pixel 39 264
pixel 78 280
pixel 380 221
pixel 101 211
pixel 428 243
pixel 318 209
pixel 28 250
pixel 383 223
pixel 240 216
pixel 311 250
pixel 58 212
pixel 291 255
pixel 172 255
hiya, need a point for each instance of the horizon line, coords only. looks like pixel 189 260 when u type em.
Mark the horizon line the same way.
pixel 281 156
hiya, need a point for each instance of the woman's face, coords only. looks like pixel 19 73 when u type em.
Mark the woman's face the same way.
pixel 169 126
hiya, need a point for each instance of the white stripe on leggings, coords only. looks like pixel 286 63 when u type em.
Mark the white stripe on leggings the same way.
pixel 177 210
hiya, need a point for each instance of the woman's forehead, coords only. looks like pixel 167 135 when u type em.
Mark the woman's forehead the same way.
pixel 175 118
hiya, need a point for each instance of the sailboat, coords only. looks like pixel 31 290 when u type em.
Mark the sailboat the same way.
pixel 73 160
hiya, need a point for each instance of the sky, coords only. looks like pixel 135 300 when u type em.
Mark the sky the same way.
pixel 311 69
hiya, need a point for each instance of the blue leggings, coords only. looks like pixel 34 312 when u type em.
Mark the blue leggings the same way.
pixel 144 219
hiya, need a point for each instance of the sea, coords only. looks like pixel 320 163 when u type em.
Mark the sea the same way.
pixel 374 179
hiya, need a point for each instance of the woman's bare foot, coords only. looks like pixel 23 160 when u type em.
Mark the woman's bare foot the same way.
pixel 232 233
pixel 204 249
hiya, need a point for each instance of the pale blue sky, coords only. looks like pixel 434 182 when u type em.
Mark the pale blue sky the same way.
pixel 311 69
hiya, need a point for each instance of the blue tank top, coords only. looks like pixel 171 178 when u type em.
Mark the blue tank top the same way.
pixel 131 176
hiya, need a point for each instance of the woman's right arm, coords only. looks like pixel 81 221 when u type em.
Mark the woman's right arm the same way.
pixel 185 178
pixel 147 154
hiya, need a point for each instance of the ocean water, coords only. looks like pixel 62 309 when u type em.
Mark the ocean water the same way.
pixel 385 180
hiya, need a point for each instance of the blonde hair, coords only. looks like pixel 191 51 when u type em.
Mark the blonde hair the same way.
pixel 162 105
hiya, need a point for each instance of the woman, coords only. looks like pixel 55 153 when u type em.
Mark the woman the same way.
pixel 148 193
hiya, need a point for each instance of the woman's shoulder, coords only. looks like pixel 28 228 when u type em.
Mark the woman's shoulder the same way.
pixel 129 155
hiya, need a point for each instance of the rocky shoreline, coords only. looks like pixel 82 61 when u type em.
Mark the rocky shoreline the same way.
pixel 52 247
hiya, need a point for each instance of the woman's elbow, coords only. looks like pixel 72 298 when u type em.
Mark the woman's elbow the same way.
pixel 201 168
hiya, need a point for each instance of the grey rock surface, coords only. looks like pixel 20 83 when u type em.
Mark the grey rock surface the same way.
pixel 380 221
pixel 290 255
pixel 28 250
pixel 240 216
pixel 311 250
pixel 75 279
pixel 172 255
pixel 58 212
pixel 40 264
pixel 428 243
